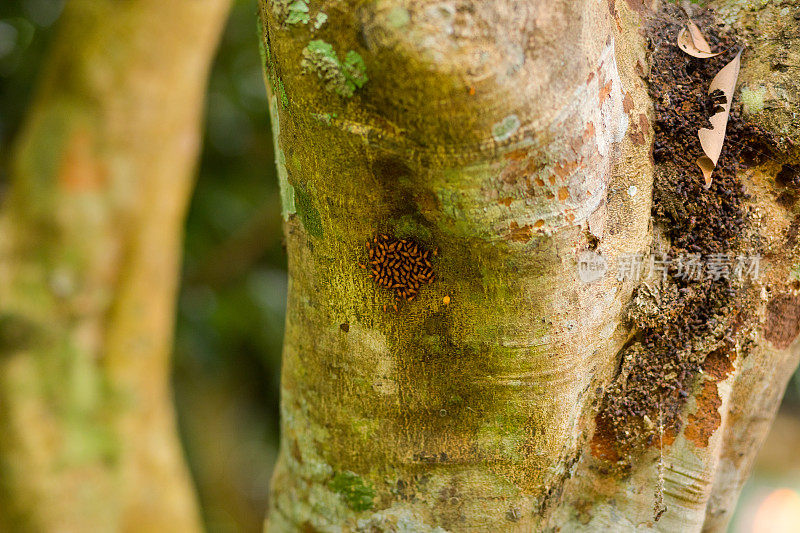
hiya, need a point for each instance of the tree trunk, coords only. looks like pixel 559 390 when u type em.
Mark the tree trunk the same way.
pixel 90 239
pixel 511 141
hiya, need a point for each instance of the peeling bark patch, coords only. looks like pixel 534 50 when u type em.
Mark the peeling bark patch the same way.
pixel 636 136
pixel 706 419
pixel 782 324
pixel 627 104
pixel 644 124
pixel 517 155
pixel 638 132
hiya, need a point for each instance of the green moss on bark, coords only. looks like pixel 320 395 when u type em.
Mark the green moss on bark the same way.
pixel 356 492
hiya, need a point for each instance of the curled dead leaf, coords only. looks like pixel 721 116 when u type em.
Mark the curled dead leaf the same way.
pixel 691 41
pixel 712 139
pixel 707 167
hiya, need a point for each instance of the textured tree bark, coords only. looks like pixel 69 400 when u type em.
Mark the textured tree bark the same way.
pixel 510 137
pixel 90 239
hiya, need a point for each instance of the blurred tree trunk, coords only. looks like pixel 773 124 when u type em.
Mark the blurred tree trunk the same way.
pixel 515 138
pixel 90 240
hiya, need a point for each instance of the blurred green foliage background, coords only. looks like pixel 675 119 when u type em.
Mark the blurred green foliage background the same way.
pixel 231 307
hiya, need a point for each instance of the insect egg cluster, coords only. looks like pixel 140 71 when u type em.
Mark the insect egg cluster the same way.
pixel 399 264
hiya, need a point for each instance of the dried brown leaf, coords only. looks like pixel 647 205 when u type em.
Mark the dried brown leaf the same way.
pixel 693 43
pixel 712 139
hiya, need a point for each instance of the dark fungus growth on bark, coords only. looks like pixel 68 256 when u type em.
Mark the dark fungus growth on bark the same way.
pixel 401 265
pixel 686 318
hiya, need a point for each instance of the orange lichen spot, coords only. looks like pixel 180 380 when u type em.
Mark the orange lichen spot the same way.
pixel 539 182
pixel 517 155
pixel 505 201
pixel 589 132
pixel 471 91
pixel 519 233
pixel 565 169
pixel 563 194
pixel 605 91
pixel 446 300
pixel 570 217
pixel 538 224
pixel 552 180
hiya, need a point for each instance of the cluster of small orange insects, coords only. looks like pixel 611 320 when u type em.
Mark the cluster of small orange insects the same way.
pixel 399 264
